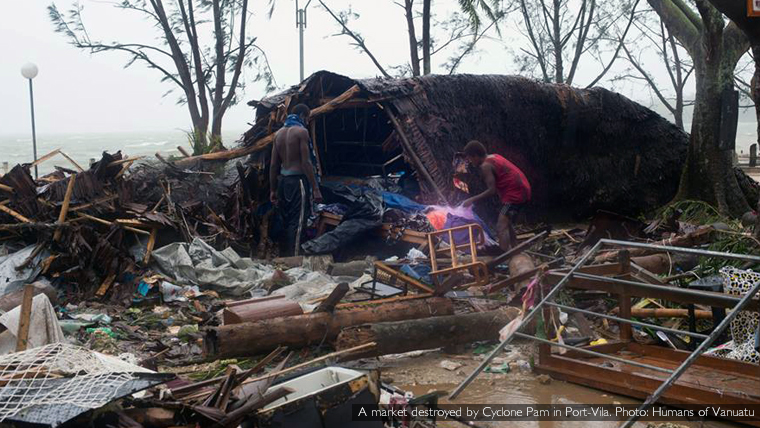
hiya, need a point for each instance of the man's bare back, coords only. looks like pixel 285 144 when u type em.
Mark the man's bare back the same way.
pixel 287 143
pixel 290 156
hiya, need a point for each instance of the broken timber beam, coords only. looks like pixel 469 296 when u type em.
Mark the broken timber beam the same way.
pixel 426 333
pixel 516 250
pixel 24 320
pixel 412 154
pixel 14 214
pixel 65 206
pixel 253 338
pixel 328 305
pixel 335 102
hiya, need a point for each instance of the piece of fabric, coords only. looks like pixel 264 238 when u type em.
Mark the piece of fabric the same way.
pixel 294 206
pixel 200 264
pixel 437 218
pixel 43 328
pixel 401 202
pixel 511 184
pixel 742 344
pixel 365 212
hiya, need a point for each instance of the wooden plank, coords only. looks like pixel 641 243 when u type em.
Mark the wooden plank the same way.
pixel 713 363
pixel 125 160
pixel 6 188
pixel 354 305
pixel 151 244
pixel 629 384
pixel 331 355
pixel 14 214
pixel 105 285
pixel 25 319
pixel 108 223
pixel 409 150
pixel 93 203
pixel 328 305
pixel 44 158
pixel 65 206
pixel 403 277
pixel 76 165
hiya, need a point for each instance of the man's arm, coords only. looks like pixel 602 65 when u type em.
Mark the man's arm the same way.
pixel 306 166
pixel 487 172
pixel 274 171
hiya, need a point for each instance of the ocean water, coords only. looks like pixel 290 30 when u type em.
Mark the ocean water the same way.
pixel 85 146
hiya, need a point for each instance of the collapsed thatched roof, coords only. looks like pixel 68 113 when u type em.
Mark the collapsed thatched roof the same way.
pixel 582 149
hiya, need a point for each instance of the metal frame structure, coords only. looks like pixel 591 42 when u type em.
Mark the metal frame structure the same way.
pixel 575 272
pixel 475 238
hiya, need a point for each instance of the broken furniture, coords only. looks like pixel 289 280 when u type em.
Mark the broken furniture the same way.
pixel 474 236
pixel 322 399
pixel 625 367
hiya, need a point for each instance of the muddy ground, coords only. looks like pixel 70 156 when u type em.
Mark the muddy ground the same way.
pixel 422 373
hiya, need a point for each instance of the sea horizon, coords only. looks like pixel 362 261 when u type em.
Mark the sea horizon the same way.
pixel 83 146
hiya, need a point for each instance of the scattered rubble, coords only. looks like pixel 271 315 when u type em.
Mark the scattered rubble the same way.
pixel 164 281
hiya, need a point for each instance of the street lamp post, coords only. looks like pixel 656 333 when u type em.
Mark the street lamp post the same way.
pixel 301 24
pixel 29 71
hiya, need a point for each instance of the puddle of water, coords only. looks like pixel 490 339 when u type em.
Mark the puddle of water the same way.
pixel 517 388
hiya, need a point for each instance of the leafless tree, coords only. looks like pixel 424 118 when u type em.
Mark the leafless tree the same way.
pixel 460 32
pixel 200 46
pixel 715 48
pixel 561 33
pixel 652 36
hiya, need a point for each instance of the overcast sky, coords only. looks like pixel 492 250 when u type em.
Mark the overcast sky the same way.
pixel 76 92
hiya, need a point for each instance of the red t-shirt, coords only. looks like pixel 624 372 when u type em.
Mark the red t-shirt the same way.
pixel 511 184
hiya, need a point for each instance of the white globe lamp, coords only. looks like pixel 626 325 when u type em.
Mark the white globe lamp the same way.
pixel 29 70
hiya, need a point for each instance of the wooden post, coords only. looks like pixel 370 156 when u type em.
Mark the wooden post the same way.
pixel 183 151
pixel 25 319
pixel 412 154
pixel 65 206
pixel 151 244
pixel 626 330
pixel 752 155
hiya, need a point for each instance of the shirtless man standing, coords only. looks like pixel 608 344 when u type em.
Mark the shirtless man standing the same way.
pixel 291 177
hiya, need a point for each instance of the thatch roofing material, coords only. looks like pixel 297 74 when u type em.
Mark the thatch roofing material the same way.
pixel 581 149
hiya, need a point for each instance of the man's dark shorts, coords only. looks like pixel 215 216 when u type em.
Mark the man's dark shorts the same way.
pixel 510 210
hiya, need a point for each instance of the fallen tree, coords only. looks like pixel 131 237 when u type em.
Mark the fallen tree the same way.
pixel 581 149
pixel 252 338
pixel 428 333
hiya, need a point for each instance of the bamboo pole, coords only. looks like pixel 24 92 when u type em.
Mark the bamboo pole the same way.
pixel 65 206
pixel 410 151
pixel 14 214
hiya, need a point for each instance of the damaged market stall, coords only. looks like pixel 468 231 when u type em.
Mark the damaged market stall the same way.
pixel 582 149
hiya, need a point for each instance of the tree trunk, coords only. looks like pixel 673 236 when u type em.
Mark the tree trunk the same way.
pixel 708 174
pixel 426 333
pixel 413 49
pixel 252 338
pixel 426 36
pixel 557 43
pixel 755 86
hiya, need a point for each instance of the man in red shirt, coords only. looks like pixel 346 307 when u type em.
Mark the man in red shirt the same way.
pixel 504 179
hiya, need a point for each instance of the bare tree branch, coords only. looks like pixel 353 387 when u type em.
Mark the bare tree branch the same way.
pixel 357 39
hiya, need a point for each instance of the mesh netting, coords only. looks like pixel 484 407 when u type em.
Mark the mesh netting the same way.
pixel 60 374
